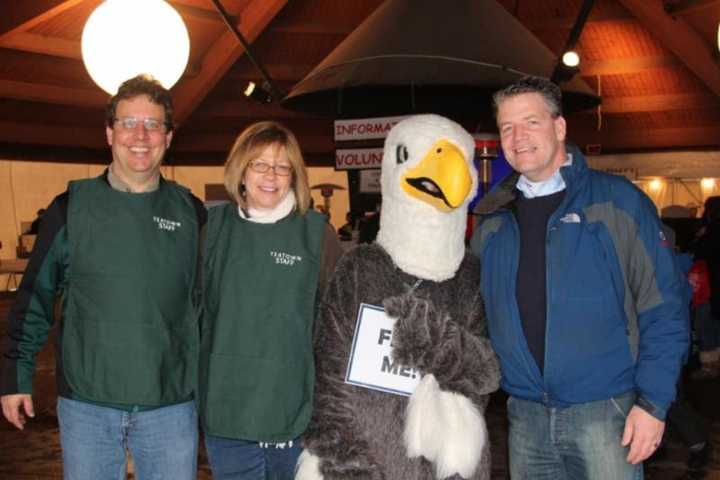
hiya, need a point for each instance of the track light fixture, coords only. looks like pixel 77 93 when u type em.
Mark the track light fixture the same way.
pixel 271 90
pixel 258 93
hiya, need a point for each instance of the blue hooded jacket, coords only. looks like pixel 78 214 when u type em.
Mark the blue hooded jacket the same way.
pixel 616 318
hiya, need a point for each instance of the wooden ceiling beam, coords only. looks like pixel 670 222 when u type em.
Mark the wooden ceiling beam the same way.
pixel 221 56
pixel 611 12
pixel 65 136
pixel 38 92
pixel 308 27
pixel 54 153
pixel 35 43
pixel 623 66
pixel 689 6
pixel 680 39
pixel 659 103
pixel 102 156
pixel 278 71
pixel 648 138
pixel 244 109
pixel 312 140
pixel 59 47
pixel 189 11
pixel 25 15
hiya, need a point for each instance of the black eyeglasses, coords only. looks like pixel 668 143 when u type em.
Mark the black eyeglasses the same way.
pixel 262 167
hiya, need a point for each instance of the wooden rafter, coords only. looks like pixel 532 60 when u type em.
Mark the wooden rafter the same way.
pixel 688 6
pixel 311 140
pixel 245 109
pixel 221 56
pixel 648 138
pixel 56 135
pixel 279 72
pixel 35 43
pixel 659 103
pixel 38 92
pixel 307 27
pixel 196 12
pixel 680 39
pixel 611 12
pixel 25 15
pixel 622 66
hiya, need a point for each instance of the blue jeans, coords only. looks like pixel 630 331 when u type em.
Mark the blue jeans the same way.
pixel 245 460
pixel 581 442
pixel 163 441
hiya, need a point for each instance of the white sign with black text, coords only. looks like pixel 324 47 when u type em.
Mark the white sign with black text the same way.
pixel 357 158
pixel 371 364
pixel 364 128
pixel 370 181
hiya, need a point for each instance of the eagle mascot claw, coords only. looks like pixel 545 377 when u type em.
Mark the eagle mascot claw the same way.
pixel 420 273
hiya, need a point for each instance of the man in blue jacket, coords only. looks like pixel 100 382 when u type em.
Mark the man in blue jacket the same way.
pixel 584 304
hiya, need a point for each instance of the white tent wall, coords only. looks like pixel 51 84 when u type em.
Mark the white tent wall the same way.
pixel 668 178
pixel 26 187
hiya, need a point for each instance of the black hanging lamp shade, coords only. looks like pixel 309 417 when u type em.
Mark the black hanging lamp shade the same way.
pixel 445 57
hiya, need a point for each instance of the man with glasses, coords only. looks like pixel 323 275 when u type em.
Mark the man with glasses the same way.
pixel 118 254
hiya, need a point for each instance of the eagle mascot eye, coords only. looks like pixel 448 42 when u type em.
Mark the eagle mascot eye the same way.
pixel 401 153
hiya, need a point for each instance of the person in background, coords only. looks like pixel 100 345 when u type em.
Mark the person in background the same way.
pixel 705 278
pixel 584 302
pixel 35 225
pixel 688 425
pixel 268 257
pixel 118 253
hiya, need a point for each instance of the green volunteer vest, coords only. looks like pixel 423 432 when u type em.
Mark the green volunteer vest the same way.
pixel 257 370
pixel 129 331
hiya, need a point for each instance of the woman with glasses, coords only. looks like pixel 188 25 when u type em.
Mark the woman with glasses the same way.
pixel 267 258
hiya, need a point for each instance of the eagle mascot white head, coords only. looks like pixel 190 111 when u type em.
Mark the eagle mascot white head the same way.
pixel 428 179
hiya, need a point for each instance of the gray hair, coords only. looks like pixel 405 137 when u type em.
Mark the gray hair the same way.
pixel 545 88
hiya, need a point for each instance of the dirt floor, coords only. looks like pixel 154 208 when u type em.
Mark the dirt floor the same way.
pixel 34 454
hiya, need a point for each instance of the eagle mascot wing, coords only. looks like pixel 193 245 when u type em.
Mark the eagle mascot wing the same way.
pixel 421 274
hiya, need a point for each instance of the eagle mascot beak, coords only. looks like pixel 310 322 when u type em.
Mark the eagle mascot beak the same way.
pixel 442 178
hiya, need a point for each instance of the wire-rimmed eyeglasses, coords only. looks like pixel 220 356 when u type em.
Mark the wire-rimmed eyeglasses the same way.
pixel 150 124
pixel 262 167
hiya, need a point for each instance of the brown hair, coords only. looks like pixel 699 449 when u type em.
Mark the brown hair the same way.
pixel 141 85
pixel 250 144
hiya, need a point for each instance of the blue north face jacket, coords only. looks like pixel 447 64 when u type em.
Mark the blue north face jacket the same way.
pixel 616 317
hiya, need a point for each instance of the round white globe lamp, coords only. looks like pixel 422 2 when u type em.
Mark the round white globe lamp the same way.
pixel 125 38
pixel 571 58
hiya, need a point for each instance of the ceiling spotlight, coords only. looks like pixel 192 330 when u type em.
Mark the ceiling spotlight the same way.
pixel 655 184
pixel 571 58
pixel 259 93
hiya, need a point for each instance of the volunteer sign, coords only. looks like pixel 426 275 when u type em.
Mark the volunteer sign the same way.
pixel 364 128
pixel 371 364
pixel 357 158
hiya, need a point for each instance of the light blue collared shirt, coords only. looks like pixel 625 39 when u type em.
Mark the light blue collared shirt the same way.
pixel 552 185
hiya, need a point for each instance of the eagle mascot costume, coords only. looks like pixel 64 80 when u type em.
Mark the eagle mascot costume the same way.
pixel 420 273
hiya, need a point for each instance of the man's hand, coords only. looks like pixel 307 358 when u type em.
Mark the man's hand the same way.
pixel 643 433
pixel 16 407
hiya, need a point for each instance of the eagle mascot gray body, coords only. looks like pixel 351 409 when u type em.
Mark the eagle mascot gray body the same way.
pixel 420 272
